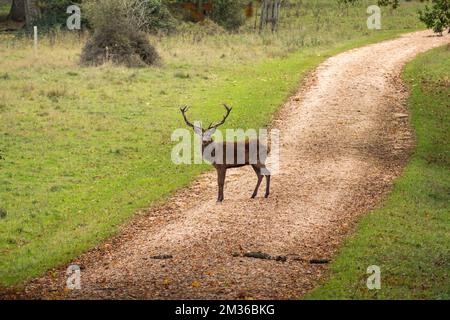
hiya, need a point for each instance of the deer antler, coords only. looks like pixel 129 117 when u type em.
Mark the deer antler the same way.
pixel 183 110
pixel 211 126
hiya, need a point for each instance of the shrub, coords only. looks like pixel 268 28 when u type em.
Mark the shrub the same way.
pixel 228 14
pixel 124 46
pixel 53 14
pixel 437 17
pixel 154 16
pixel 150 15
pixel 117 37
pixel 393 3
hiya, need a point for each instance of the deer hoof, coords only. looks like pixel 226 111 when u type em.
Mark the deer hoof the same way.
pixel 254 196
pixel 266 196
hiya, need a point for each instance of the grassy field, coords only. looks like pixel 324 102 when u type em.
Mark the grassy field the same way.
pixel 409 237
pixel 83 149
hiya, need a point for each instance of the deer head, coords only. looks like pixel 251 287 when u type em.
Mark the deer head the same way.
pixel 205 134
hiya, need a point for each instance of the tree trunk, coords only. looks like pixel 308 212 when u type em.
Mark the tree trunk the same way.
pixel 270 12
pixel 264 14
pixel 17 12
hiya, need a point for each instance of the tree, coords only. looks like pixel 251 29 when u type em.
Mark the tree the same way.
pixel 437 17
pixel 24 10
pixel 270 12
pixel 53 13
pixel 17 12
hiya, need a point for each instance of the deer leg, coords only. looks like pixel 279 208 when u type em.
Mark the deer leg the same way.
pixel 266 173
pixel 267 186
pixel 260 177
pixel 221 172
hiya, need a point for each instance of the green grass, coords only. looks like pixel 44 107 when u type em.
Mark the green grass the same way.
pixel 85 148
pixel 409 237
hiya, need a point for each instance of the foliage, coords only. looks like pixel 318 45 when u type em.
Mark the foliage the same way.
pixel 53 14
pixel 229 14
pixel 348 2
pixel 126 46
pixel 5 7
pixel 393 3
pixel 201 29
pixel 437 17
pixel 117 36
pixel 151 16
pixel 154 16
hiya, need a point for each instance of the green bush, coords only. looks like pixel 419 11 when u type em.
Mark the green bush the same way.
pixel 117 36
pixel 125 46
pixel 157 16
pixel 228 14
pixel 393 3
pixel 152 16
pixel 54 15
pixel 437 17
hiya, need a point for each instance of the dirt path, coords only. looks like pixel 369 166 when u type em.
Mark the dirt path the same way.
pixel 345 137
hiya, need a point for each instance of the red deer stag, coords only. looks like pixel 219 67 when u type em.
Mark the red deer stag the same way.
pixel 243 153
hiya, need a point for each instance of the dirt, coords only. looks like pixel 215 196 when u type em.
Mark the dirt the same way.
pixel 344 138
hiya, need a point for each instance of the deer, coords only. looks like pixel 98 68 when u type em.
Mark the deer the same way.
pixel 245 154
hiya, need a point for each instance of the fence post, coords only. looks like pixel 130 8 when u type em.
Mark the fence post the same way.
pixel 35 29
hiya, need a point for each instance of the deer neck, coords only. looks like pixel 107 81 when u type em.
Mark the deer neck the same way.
pixel 206 144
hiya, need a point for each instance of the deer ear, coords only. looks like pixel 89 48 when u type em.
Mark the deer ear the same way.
pixel 198 131
pixel 209 133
